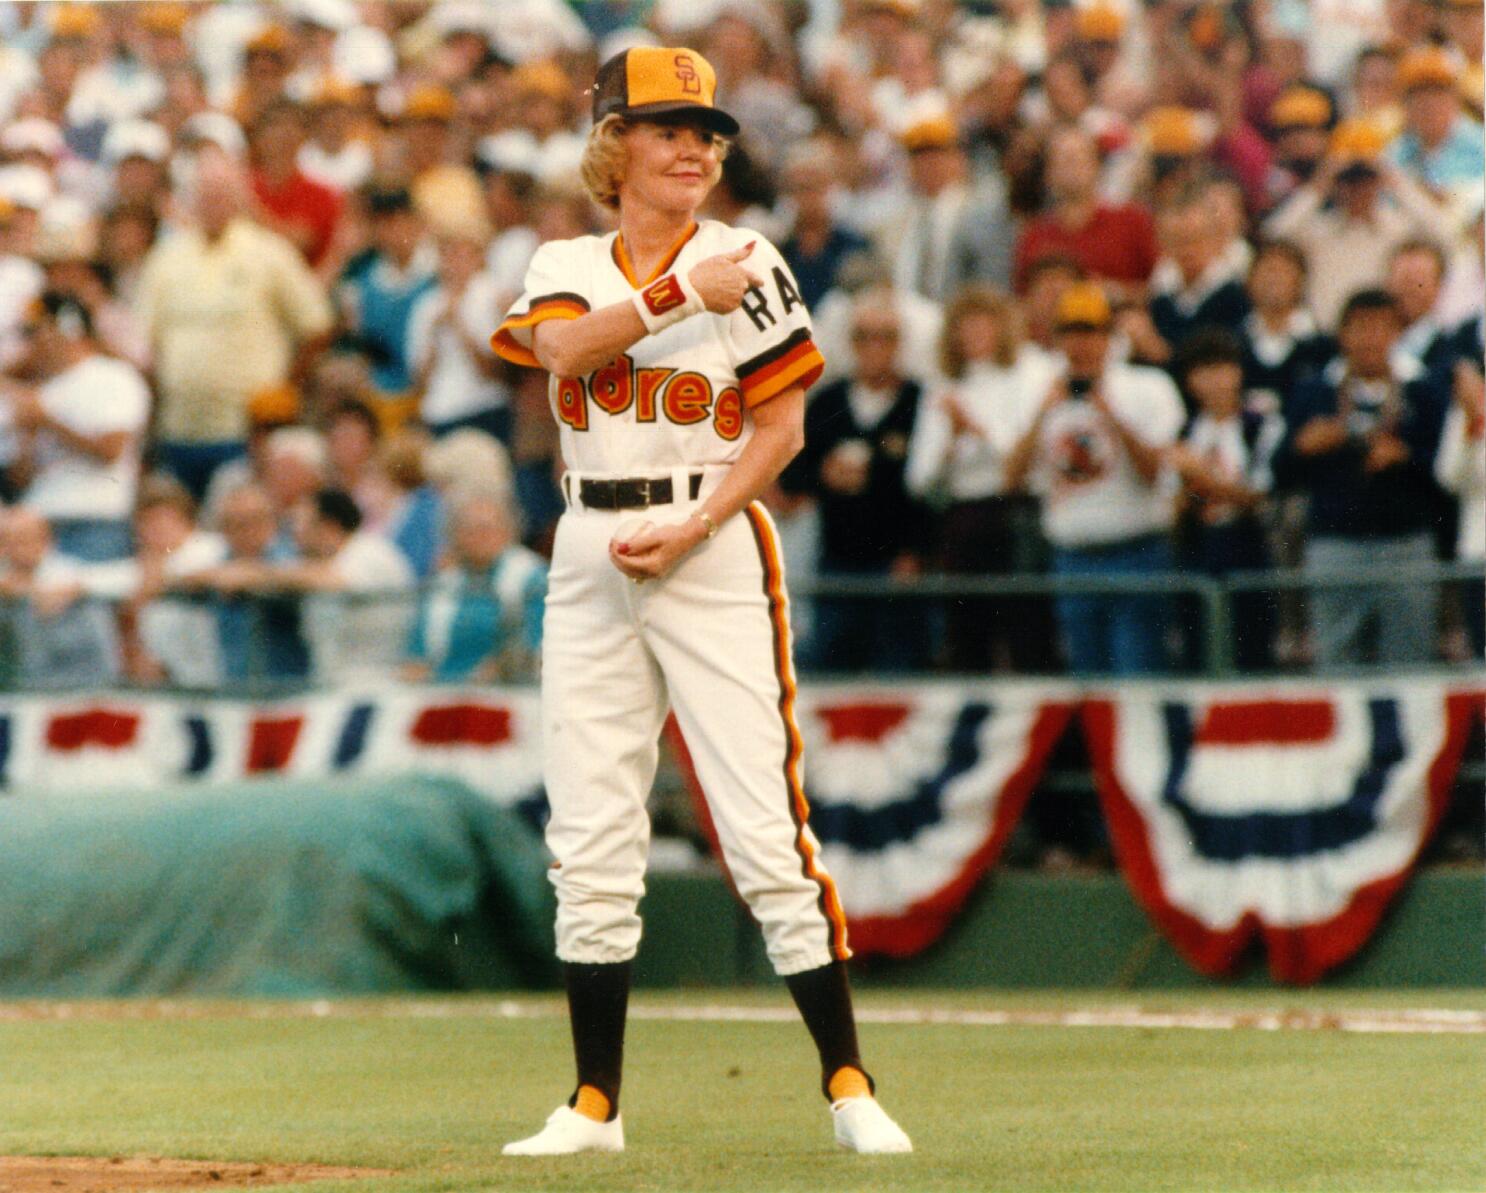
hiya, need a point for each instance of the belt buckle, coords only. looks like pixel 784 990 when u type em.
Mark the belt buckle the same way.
pixel 644 493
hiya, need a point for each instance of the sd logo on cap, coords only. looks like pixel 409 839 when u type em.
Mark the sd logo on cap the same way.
pixel 655 82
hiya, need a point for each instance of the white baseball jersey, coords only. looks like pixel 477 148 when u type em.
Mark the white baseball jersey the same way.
pixel 679 397
pixel 709 640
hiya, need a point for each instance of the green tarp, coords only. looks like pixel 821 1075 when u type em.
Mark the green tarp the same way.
pixel 270 888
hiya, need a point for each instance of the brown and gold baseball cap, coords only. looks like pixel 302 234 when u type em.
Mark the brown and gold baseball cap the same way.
pixel 652 82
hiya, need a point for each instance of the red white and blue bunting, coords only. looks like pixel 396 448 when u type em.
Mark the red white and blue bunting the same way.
pixel 1290 814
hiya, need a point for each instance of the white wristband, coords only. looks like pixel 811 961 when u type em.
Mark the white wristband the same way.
pixel 667 300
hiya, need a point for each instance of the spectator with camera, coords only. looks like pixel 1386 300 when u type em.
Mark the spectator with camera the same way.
pixel 1361 441
pixel 1349 218
pixel 1094 449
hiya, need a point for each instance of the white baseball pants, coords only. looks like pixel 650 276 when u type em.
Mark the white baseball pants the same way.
pixel 711 640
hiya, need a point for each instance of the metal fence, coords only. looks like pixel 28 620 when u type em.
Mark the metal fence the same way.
pixel 80 645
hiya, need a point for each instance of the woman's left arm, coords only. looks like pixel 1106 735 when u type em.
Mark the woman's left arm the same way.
pixel 778 436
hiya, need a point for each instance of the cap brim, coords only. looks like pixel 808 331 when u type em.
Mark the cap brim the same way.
pixel 711 118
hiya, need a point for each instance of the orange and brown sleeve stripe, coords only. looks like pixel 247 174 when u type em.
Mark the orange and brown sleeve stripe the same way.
pixel 549 306
pixel 829 899
pixel 794 361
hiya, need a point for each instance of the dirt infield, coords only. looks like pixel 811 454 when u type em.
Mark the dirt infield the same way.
pixel 110 1174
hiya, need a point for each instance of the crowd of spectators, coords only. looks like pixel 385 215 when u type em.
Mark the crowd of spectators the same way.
pixel 1107 291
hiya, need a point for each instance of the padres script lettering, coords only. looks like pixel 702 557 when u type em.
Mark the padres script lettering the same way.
pixel 684 398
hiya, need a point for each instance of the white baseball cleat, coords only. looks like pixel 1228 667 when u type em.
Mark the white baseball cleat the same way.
pixel 568 1132
pixel 864 1126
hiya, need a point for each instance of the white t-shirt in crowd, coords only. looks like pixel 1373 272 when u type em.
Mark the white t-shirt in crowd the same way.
pixel 96 396
pixel 1091 492
pixel 1000 400
pixel 456 387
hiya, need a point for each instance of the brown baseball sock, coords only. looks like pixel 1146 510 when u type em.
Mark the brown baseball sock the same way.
pixel 824 998
pixel 598 998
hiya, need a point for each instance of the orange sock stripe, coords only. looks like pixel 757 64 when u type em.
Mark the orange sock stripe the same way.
pixel 847 1082
pixel 830 899
pixel 593 1103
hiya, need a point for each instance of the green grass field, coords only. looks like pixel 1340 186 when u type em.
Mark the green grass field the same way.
pixel 432 1089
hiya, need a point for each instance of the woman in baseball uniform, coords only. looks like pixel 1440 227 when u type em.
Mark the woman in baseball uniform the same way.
pixel 679 355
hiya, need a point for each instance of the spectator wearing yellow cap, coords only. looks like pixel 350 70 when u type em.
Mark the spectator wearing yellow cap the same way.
pixel 338 149
pixel 268 60
pixel 422 135
pixel 1350 217
pixel 1094 451
pixel 1098 45
pixel 1300 121
pixel 72 33
pixel 1440 145
pixel 163 28
pixel 953 231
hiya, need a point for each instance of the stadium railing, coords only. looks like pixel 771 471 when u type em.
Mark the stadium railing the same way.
pixel 1202 613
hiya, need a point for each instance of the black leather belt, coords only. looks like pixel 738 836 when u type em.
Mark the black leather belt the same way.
pixel 632 492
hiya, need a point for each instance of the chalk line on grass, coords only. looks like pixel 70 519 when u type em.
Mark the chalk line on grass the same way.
pixel 1397 1021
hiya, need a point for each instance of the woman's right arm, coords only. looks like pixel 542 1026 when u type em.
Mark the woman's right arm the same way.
pixel 576 347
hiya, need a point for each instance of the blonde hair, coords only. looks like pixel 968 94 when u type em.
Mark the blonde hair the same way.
pixel 979 300
pixel 605 158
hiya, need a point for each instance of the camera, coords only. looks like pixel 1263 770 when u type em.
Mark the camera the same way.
pixel 1080 387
